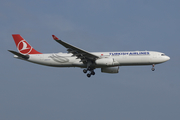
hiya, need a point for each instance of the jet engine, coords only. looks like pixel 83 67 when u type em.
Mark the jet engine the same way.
pixel 110 69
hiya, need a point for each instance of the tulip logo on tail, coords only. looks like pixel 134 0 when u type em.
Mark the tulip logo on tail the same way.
pixel 24 47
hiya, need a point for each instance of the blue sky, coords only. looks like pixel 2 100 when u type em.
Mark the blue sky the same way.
pixel 29 91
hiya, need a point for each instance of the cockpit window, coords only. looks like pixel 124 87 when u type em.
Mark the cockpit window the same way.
pixel 163 55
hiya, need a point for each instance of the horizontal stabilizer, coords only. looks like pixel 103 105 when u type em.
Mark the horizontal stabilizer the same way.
pixel 19 54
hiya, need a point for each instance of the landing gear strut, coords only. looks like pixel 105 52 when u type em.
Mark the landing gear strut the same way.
pixel 153 69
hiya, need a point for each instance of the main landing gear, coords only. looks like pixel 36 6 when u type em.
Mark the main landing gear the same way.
pixel 153 69
pixel 91 72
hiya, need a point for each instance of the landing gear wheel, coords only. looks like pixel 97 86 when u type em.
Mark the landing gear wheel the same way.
pixel 92 73
pixel 153 69
pixel 88 75
pixel 89 70
pixel 85 71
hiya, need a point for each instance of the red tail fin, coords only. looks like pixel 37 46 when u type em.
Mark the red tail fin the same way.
pixel 23 46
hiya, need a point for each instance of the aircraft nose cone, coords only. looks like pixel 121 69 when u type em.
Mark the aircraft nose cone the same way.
pixel 167 58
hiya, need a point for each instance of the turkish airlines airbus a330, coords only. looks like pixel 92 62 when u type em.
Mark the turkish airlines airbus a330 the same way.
pixel 109 62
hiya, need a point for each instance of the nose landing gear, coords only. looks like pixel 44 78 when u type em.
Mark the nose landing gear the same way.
pixel 153 69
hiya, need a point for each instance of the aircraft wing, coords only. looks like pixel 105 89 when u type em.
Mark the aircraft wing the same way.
pixel 79 53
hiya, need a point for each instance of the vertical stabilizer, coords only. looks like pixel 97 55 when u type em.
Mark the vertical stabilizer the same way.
pixel 23 46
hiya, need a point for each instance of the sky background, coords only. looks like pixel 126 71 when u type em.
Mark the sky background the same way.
pixel 33 92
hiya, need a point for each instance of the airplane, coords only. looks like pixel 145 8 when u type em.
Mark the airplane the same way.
pixel 109 62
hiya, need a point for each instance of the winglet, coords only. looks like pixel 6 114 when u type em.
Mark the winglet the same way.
pixel 54 37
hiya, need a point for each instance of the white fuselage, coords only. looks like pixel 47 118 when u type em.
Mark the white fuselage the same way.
pixel 106 59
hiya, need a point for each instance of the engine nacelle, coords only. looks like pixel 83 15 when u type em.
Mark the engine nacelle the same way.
pixel 106 62
pixel 110 69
